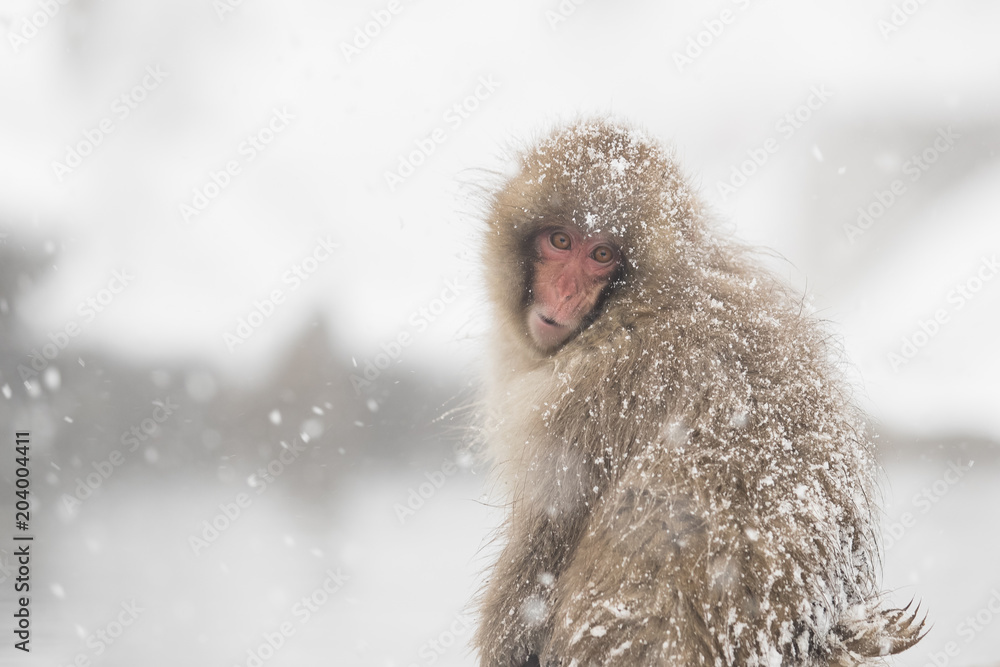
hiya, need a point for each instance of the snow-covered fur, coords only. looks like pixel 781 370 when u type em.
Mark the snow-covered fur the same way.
pixel 689 482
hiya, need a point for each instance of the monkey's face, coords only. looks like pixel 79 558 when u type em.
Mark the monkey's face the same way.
pixel 570 272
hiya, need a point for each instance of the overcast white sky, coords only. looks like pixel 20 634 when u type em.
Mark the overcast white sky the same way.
pixel 345 124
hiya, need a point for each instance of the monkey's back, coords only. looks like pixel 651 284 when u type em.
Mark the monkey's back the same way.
pixel 735 509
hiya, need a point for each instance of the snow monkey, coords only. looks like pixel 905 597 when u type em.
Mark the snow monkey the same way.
pixel 688 480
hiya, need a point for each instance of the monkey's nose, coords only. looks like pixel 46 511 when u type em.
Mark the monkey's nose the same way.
pixel 567 287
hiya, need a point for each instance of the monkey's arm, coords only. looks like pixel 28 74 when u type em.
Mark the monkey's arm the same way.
pixel 514 609
pixel 636 585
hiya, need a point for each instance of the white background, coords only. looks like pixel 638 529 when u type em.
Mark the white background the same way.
pixel 891 89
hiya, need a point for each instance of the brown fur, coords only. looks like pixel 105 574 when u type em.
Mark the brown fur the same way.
pixel 689 483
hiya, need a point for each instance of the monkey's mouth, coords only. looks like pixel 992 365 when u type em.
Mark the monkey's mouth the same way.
pixel 548 333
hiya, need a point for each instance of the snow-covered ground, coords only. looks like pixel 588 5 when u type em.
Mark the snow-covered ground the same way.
pixel 398 584
pixel 941 545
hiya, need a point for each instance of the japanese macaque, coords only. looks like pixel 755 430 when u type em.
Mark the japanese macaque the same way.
pixel 688 482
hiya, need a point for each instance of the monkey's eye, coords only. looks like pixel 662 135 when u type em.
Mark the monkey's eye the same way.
pixel 603 254
pixel 560 240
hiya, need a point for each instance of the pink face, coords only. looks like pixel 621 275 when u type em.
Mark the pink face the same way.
pixel 570 273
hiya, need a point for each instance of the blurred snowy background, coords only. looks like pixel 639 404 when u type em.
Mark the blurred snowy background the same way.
pixel 238 286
